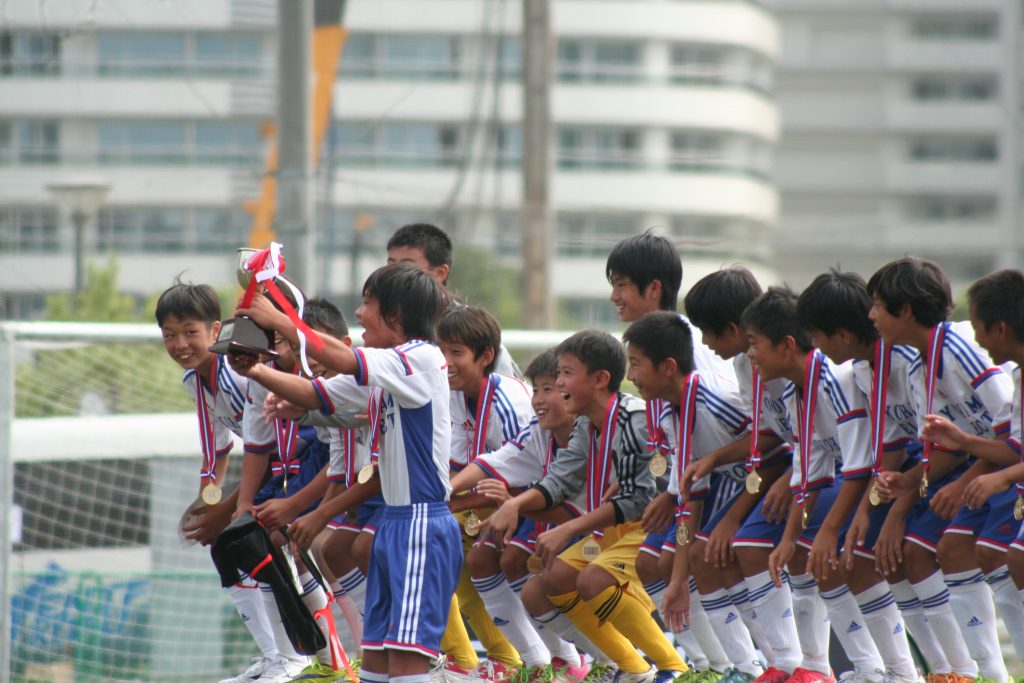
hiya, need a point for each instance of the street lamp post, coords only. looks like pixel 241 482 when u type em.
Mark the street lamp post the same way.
pixel 80 200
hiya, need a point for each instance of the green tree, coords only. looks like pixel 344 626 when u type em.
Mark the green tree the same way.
pixel 482 280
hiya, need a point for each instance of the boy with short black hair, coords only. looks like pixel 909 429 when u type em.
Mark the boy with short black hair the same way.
pixel 189 320
pixel 407 596
pixel 954 377
pixel 593 582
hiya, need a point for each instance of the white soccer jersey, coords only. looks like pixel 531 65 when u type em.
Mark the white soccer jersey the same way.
pixel 510 411
pixel 720 420
pixel 774 417
pixel 225 402
pixel 900 415
pixel 971 392
pixel 1015 416
pixel 706 361
pixel 842 428
pixel 415 421
pixel 524 459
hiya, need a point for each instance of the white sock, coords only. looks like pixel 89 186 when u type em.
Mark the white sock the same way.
pixel 878 606
pixel 508 614
pixel 1009 605
pixel 557 646
pixel 346 610
pixel 741 599
pixel 811 622
pixel 249 603
pixel 685 638
pixel 975 612
pixel 560 623
pixel 919 626
pixel 354 585
pixel 707 640
pixel 775 611
pixel 285 649
pixel 934 597
pixel 315 599
pixel 849 626
pixel 517 584
pixel 732 633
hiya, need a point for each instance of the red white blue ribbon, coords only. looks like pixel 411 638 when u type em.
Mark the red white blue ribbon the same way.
pixel 207 435
pixel 348 445
pixel 687 421
pixel 657 438
pixel 483 416
pixel 599 456
pixel 375 410
pixel 931 382
pixel 754 460
pixel 807 404
pixel 879 390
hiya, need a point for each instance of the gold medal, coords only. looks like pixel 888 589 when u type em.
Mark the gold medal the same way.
pixel 472 524
pixel 534 564
pixel 365 474
pixel 875 496
pixel 803 517
pixel 753 482
pixel 682 534
pixel 212 494
pixel 591 549
pixel 923 490
pixel 658 465
pixel 1018 509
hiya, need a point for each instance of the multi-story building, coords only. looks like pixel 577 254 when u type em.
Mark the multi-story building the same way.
pixel 901 127
pixel 663 116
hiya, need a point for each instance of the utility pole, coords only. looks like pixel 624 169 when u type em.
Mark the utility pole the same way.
pixel 536 164
pixel 295 225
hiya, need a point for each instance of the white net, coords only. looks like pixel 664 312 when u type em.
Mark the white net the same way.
pixel 105 453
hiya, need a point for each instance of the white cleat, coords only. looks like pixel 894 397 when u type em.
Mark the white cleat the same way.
pixel 255 670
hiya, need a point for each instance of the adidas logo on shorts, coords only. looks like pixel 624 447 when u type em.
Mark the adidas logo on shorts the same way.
pixel 498 621
pixel 854 626
pixel 975 621
pixel 731 618
pixel 788 613
pixel 898 629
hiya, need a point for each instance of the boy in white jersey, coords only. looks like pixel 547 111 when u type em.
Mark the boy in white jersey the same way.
pixel 834 309
pixel 593 582
pixel 517 464
pixel 996 307
pixel 829 416
pixel 189 320
pixel 407 596
pixel 954 377
pixel 488 410
pixel 702 417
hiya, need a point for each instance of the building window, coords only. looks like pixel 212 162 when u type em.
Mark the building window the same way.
pixel 142 142
pixel 28 229
pixel 599 60
pixel 142 54
pixel 694 150
pixel 148 229
pixel 220 230
pixel 965 27
pixel 696 63
pixel 939 88
pixel 38 142
pixel 228 54
pixel 972 149
pixel 35 54
pixel 610 148
pixel 397 143
pixel 401 56
pixel 587 234
pixel 947 209
pixel 234 142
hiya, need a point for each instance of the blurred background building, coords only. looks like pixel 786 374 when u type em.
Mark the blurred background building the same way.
pixel 663 115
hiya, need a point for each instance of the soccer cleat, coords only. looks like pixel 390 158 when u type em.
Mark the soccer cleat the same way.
pixel 317 672
pixel 450 672
pixel 801 675
pixel 283 670
pixel 890 677
pixel 694 676
pixel 258 666
pixel 875 676
pixel 667 675
pixel 643 677
pixel 564 672
pixel 491 671
pixel 773 675
pixel 734 675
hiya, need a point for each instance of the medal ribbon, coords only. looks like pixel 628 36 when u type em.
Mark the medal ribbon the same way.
pixel 879 389
pixel 287 431
pixel 375 409
pixel 483 416
pixel 807 404
pixel 754 461
pixel 931 379
pixel 348 442
pixel 1020 485
pixel 207 437
pixel 599 460
pixel 541 527
pixel 687 420
pixel 657 439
